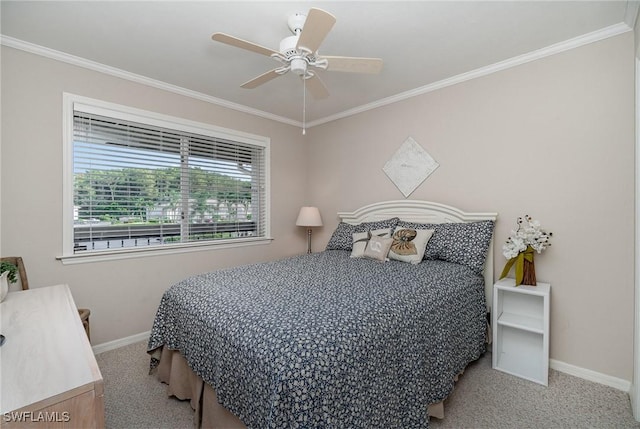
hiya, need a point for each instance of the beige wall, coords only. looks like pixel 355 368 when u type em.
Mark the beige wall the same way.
pixel 122 295
pixel 553 138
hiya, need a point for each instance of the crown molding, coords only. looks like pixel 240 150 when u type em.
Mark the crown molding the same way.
pixel 633 7
pixel 557 48
pixel 102 68
pixel 631 13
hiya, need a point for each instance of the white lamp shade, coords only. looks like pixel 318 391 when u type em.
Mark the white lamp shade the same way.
pixel 309 216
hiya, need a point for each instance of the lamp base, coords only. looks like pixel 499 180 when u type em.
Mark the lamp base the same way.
pixel 309 240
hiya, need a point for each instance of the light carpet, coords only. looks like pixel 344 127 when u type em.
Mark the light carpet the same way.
pixel 483 398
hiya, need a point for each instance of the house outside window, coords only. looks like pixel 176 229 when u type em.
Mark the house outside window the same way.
pixel 137 181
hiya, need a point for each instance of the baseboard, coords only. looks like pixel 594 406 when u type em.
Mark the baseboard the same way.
pixel 115 344
pixel 587 374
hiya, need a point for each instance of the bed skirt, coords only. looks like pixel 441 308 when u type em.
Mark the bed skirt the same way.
pixel 185 384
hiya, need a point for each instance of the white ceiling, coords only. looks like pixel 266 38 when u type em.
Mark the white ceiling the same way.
pixel 424 44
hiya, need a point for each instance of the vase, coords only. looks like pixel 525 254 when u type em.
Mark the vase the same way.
pixel 529 272
pixel 525 268
pixel 4 285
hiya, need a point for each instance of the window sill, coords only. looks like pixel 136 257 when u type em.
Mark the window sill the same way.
pixel 129 253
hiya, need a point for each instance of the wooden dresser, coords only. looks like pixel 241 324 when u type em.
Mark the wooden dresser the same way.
pixel 49 377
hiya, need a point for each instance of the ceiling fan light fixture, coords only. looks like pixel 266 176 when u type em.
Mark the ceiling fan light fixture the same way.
pixel 299 66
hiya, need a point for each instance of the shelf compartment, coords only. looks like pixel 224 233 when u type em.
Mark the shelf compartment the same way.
pixel 521 354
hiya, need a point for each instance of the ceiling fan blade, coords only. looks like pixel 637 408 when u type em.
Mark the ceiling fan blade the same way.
pixel 354 64
pixel 243 44
pixel 263 78
pixel 316 87
pixel 315 29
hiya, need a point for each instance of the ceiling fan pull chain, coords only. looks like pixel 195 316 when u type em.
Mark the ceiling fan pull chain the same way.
pixel 304 106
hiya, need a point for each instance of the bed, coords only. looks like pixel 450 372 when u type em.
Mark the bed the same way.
pixel 331 340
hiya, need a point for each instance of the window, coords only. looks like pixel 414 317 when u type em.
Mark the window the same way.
pixel 142 181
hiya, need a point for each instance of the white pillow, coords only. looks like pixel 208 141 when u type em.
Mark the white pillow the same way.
pixel 378 248
pixel 360 240
pixel 409 244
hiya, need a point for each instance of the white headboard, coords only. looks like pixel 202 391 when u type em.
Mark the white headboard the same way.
pixel 425 212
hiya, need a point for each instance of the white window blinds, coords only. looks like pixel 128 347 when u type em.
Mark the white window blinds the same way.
pixel 138 184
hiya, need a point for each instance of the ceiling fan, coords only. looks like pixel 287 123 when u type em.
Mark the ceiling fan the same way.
pixel 299 53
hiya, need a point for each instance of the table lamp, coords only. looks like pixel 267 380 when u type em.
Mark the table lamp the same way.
pixel 309 217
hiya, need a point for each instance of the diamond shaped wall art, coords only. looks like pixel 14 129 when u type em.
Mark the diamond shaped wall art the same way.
pixel 409 166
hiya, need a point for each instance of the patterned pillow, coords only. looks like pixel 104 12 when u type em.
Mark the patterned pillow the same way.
pixel 462 243
pixel 342 237
pixel 378 248
pixel 360 240
pixel 409 244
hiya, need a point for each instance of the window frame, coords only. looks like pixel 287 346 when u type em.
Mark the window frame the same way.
pixel 71 103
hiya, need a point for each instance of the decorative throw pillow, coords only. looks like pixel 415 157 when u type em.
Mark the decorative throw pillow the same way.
pixel 378 248
pixel 342 238
pixel 409 244
pixel 360 240
pixel 462 243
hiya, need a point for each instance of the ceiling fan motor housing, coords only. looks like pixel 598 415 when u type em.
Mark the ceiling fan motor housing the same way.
pixel 297 59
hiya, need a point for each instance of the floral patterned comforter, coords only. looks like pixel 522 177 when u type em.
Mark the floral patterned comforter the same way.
pixel 324 340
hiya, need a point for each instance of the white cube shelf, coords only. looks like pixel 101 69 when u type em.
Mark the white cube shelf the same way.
pixel 520 323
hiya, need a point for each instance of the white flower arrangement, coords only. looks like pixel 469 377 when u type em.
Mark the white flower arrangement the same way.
pixel 529 233
pixel 520 247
